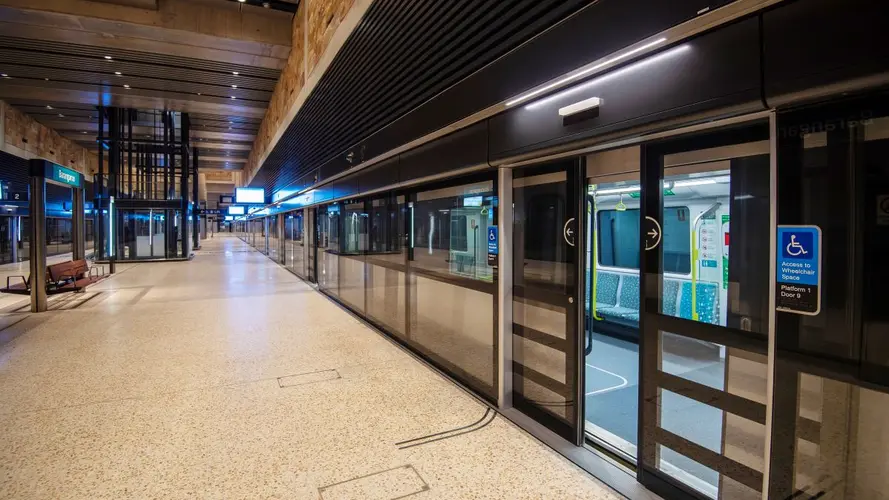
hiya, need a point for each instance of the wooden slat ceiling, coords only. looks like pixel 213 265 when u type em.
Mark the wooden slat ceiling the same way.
pixel 60 85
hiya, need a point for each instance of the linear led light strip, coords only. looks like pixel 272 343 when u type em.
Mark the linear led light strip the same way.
pixel 686 183
pixel 584 72
pixel 609 76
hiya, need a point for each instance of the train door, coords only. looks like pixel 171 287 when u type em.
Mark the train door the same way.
pixel 704 240
pixel 546 286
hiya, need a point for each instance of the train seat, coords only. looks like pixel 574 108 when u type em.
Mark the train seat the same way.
pixel 617 298
pixel 707 299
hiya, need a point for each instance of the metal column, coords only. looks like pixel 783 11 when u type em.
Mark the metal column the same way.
pixel 78 226
pixel 37 244
pixel 504 287
pixel 183 187
pixel 114 126
pixel 194 199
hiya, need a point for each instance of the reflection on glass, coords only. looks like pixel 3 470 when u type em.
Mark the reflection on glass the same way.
pixel 452 286
pixel 386 296
pixel 351 256
pixel 544 268
pixel 273 241
pixel 294 253
pixel 450 231
pixel 328 243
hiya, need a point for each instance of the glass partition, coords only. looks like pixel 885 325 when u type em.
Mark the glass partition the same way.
pixel 386 263
pixel 351 257
pixel 452 286
pixel 328 243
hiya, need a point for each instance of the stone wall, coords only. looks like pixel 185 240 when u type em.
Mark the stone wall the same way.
pixel 25 137
pixel 315 27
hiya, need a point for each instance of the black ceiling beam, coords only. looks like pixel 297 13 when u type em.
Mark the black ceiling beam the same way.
pixel 271 4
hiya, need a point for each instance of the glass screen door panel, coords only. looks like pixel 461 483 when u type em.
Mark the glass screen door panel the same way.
pixel 545 290
pixel 704 240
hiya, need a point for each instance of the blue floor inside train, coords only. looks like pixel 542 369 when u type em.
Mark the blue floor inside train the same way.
pixel 612 385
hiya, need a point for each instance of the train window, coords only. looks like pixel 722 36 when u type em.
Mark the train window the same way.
pixel 618 241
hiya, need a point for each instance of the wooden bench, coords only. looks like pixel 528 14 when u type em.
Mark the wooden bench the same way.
pixel 71 276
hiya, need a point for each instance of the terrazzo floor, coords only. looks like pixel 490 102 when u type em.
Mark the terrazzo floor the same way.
pixel 228 377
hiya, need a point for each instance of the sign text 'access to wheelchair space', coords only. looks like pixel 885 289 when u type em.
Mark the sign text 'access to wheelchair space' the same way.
pixel 799 269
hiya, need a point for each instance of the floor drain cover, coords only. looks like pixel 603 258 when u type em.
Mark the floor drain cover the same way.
pixel 392 484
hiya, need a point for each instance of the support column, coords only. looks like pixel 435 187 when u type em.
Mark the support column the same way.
pixel 14 236
pixel 183 186
pixel 504 287
pixel 114 126
pixel 78 227
pixel 37 244
pixel 195 203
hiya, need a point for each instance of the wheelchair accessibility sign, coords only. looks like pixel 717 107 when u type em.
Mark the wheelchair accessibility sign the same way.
pixel 799 270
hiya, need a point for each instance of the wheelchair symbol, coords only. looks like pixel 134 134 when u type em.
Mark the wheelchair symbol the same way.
pixel 794 249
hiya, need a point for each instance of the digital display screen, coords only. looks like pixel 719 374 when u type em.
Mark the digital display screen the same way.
pixel 226 199
pixel 229 217
pixel 473 201
pixel 249 195
pixel 235 210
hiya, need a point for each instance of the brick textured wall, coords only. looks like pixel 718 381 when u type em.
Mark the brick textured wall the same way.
pixel 25 133
pixel 314 25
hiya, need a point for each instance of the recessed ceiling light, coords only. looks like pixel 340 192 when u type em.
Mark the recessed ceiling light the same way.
pixel 235 73
pixel 233 97
pixel 118 73
pixel 234 86
pixel 242 1
pixel 108 58
pixel 4 75
pixel 47 79
pixel 48 106
pixel 61 115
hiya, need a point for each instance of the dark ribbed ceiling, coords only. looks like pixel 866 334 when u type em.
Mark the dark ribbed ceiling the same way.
pixel 402 53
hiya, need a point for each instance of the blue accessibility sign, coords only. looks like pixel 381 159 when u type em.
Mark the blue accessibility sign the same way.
pixel 799 270
pixel 492 240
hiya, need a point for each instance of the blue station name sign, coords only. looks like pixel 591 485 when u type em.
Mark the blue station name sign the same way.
pixel 62 175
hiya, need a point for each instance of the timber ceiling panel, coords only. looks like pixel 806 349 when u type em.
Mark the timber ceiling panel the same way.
pixel 402 53
pixel 61 84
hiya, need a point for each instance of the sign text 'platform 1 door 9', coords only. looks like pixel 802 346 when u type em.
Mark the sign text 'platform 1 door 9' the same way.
pixel 798 277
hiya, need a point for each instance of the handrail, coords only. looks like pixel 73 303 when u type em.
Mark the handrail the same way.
pixel 695 257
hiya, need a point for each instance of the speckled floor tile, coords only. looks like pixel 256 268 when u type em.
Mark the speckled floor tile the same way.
pixel 167 385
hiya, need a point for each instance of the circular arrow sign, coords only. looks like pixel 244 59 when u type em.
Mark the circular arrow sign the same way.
pixel 568 231
pixel 652 233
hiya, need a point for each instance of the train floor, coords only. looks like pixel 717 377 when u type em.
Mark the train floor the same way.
pixel 612 401
pixel 228 377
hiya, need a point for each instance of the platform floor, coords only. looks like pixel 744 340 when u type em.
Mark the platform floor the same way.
pixel 227 377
